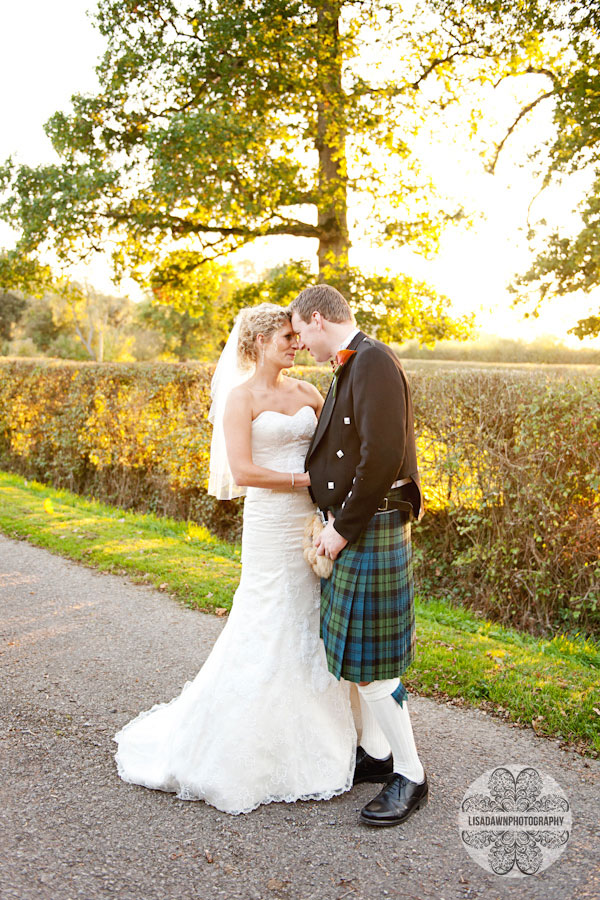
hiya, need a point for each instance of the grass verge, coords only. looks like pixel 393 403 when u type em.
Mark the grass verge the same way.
pixel 179 557
pixel 550 685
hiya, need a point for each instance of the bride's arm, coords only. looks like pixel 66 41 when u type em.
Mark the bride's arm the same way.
pixel 237 424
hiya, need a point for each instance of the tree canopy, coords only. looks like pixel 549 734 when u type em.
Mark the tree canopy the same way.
pixel 218 123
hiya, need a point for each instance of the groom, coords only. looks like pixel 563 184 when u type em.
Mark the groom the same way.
pixel 364 477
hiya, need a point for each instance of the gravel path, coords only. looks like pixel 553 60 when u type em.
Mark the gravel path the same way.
pixel 82 653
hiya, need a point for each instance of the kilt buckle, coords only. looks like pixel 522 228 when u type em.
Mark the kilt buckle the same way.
pixel 384 507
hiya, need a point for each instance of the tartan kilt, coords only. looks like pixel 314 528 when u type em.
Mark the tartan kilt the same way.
pixel 367 605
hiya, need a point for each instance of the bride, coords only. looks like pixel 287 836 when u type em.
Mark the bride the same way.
pixel 263 720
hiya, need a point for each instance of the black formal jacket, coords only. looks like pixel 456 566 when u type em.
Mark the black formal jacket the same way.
pixel 364 440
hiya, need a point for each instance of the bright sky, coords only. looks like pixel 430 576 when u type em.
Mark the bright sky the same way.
pixel 49 52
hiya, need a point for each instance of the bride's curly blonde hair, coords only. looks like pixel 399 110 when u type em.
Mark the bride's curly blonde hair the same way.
pixel 265 319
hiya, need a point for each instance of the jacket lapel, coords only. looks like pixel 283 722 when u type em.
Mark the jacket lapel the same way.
pixel 330 399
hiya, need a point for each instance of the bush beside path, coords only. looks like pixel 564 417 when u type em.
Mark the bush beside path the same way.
pixel 85 651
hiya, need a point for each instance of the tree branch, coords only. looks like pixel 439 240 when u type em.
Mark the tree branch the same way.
pixel 530 70
pixel 433 65
pixel 179 226
pixel 526 109
pixel 86 343
pixel 461 51
pixel 533 70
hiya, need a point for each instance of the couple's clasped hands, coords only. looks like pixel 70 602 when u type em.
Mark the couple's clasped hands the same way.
pixel 330 543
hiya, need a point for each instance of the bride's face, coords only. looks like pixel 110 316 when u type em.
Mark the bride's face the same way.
pixel 282 346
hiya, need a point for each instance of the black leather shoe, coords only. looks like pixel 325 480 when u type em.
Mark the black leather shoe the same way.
pixel 370 769
pixel 398 800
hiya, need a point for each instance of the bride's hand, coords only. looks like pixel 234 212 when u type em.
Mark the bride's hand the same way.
pixel 302 479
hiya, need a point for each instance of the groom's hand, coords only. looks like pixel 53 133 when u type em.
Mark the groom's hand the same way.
pixel 330 543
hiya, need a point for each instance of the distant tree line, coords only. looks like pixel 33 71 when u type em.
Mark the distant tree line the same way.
pixel 84 324
pixel 544 350
pixel 188 315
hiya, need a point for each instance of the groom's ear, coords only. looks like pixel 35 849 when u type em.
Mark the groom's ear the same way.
pixel 317 318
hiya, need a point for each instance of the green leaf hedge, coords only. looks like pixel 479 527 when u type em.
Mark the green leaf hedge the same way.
pixel 510 461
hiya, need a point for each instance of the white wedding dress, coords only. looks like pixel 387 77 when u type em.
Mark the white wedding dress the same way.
pixel 264 720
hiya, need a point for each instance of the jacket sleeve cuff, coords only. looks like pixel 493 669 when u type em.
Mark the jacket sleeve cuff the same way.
pixel 350 534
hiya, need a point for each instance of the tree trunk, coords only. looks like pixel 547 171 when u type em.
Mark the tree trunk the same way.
pixel 330 142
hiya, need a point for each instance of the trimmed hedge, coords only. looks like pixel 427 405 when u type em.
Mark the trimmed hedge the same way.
pixel 510 462
pixel 511 468
pixel 134 435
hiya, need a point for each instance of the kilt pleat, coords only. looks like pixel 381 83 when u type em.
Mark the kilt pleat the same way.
pixel 367 605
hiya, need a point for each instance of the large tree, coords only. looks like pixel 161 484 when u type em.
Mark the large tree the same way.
pixel 222 121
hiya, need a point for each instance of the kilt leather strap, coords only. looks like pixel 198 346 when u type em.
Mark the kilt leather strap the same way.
pixel 387 505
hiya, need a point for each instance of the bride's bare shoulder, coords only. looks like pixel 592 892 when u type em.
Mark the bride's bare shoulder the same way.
pixel 240 398
pixel 308 392
pixel 242 390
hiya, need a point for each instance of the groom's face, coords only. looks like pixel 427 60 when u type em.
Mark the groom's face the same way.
pixel 311 336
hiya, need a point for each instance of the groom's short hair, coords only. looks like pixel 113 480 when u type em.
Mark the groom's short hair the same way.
pixel 322 298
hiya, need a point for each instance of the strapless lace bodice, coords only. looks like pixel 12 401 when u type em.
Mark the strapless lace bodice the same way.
pixel 280 441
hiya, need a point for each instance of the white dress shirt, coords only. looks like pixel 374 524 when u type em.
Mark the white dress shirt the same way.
pixel 348 339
